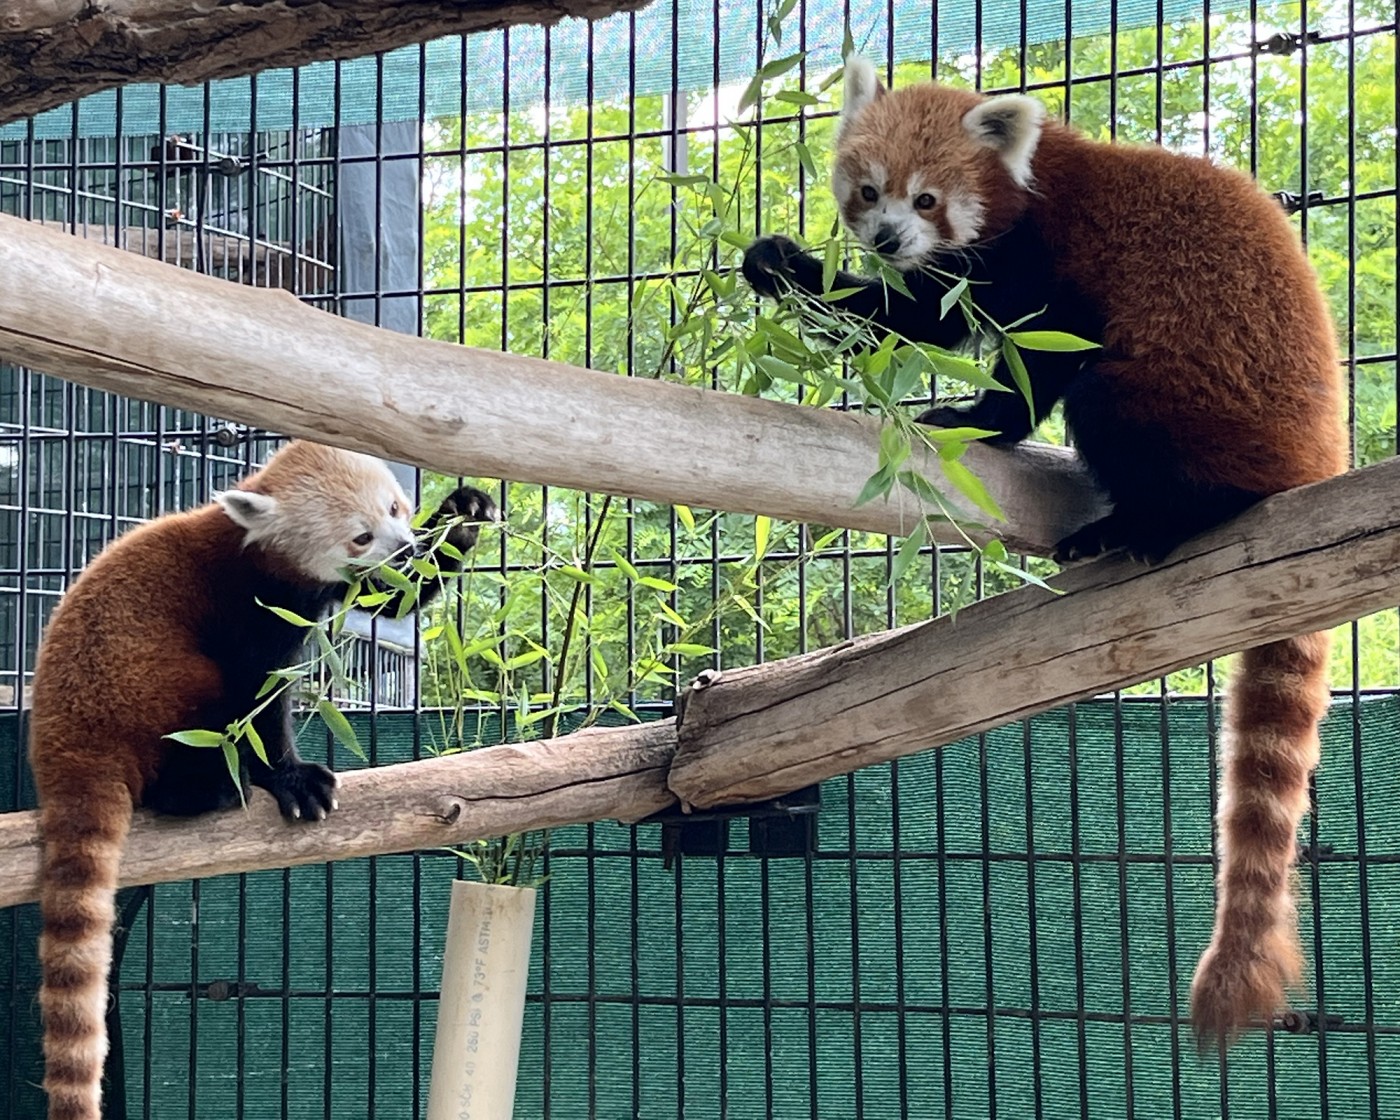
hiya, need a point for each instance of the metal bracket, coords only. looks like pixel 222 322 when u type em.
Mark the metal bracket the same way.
pixel 1285 43
pixel 784 826
pixel 1294 203
pixel 1298 1021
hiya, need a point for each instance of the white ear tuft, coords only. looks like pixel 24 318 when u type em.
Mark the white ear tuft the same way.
pixel 249 510
pixel 861 86
pixel 1009 125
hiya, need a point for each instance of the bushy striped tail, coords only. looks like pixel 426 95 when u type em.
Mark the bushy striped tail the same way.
pixel 1268 750
pixel 84 833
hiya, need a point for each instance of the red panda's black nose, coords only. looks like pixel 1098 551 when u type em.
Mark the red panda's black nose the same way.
pixel 886 239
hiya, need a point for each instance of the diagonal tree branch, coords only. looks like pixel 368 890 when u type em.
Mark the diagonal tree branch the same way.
pixel 1301 561
pixel 59 50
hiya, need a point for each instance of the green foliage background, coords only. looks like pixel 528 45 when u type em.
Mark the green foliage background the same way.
pixel 627 267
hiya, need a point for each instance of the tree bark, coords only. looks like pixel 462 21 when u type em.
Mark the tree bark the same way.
pixel 617 773
pixel 1302 561
pixel 113 320
pixel 1306 560
pixel 54 51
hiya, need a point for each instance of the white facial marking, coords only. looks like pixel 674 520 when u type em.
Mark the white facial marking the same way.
pixel 965 214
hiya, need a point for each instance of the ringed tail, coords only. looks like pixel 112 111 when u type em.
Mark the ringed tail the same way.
pixel 1269 748
pixel 84 833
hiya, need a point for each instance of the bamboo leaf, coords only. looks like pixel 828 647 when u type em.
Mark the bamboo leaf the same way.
pixel 684 515
pixel 1050 340
pixel 762 526
pixel 908 551
pixel 971 487
pixel 951 297
pixel 255 740
pixel 339 726
pixel 285 615
pixel 198 738
pixel 1019 374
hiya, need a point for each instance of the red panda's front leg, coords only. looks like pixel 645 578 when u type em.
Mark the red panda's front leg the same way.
pixel 775 266
pixel 303 790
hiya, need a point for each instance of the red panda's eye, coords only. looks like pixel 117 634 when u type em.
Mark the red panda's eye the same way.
pixel 364 539
pixel 925 201
pixel 394 509
pixel 869 193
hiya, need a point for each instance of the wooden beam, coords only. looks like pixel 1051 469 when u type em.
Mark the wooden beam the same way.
pixel 112 320
pixel 59 50
pixel 617 773
pixel 1302 561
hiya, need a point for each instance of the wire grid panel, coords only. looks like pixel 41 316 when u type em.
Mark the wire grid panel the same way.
pixel 1004 928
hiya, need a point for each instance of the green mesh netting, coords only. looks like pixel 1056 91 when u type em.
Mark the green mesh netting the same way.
pixel 714 41
pixel 739 980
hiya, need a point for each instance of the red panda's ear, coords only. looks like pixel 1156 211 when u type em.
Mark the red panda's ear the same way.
pixel 1010 126
pixel 860 86
pixel 249 510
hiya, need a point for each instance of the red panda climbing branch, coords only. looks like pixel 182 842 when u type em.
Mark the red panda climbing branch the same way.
pixel 1217 384
pixel 164 632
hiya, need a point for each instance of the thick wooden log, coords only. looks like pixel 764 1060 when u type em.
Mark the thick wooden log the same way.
pixel 1302 561
pixel 58 50
pixel 617 773
pixel 113 320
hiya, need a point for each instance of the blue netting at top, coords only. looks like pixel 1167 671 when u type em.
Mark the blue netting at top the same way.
pixel 671 44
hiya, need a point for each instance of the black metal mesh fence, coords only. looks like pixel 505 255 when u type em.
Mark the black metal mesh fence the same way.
pixel 1006 927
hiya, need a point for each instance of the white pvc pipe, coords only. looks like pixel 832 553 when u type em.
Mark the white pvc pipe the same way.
pixel 485 965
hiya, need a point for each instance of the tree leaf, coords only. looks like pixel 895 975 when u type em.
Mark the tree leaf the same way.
pixel 685 517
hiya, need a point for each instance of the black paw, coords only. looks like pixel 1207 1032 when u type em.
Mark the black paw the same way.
pixel 305 791
pixel 771 264
pixel 472 507
pixel 1109 533
pixel 949 416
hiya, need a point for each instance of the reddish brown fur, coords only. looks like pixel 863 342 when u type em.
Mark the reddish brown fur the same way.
pixel 121 666
pixel 1218 335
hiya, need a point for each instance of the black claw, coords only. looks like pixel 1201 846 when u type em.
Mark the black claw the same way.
pixel 473 506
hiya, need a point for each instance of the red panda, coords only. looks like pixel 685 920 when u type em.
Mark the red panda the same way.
pixel 1217 384
pixel 164 632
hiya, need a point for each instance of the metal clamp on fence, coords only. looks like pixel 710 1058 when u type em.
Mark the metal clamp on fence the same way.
pixel 784 826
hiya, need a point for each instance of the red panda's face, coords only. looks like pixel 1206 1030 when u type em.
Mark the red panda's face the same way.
pixel 325 512
pixel 929 169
